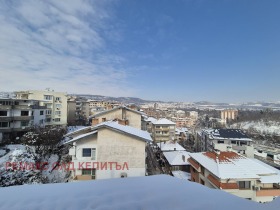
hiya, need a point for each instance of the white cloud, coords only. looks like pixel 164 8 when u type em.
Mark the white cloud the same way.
pixel 58 44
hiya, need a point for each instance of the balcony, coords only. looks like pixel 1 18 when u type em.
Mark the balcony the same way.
pixel 5 129
pixel 23 118
pixel 5 107
pixel 6 118
pixel 22 107
pixel 268 192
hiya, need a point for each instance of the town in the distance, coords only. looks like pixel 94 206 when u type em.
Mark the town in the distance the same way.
pixel 54 137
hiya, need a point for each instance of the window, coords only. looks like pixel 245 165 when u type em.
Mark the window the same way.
pixel 47 97
pixel 58 105
pixel 48 119
pixel 57 112
pixel 58 99
pixel 42 112
pixel 233 142
pixel 57 119
pixel 86 152
pixel 48 112
pixel 5 103
pixel 4 124
pixel 41 121
pixel 221 142
pixel 244 184
pixel 24 113
pixel 89 152
pixel 91 172
pixel 3 113
pixel 24 123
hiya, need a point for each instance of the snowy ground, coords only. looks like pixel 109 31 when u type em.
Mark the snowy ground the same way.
pixel 260 126
pixel 154 192
pixel 25 170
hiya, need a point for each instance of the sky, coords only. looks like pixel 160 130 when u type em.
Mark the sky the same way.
pixel 179 50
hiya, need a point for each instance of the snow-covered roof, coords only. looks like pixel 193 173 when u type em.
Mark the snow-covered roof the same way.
pixel 230 165
pixel 163 121
pixel 77 130
pixel 132 193
pixel 150 119
pixel 234 134
pixel 170 146
pixel 143 135
pixel 181 130
pixel 81 136
pixel 177 158
pixel 182 175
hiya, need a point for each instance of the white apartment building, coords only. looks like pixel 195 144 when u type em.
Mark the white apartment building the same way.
pixel 224 140
pixel 96 151
pixel 236 174
pixel 163 130
pixel 56 103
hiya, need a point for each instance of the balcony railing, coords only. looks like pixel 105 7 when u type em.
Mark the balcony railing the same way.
pixel 23 118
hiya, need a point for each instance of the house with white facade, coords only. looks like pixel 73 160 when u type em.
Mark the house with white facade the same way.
pixel 226 139
pixel 108 150
pixel 236 174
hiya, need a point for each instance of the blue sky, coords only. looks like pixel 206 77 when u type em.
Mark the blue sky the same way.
pixel 181 50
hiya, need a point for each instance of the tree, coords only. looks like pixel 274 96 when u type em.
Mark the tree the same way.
pixel 45 140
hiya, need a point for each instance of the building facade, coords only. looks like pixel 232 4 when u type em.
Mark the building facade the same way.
pixel 18 115
pixel 111 150
pixel 56 103
pixel 224 140
pixel 122 114
pixel 163 130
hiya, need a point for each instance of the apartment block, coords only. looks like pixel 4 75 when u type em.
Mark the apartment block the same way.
pixel 163 130
pixel 56 103
pixel 18 115
pixel 229 114
pixel 224 140
pixel 78 111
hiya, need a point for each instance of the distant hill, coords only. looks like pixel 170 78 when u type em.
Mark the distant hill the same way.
pixel 125 100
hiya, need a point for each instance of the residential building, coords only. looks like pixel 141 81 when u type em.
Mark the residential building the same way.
pixel 71 111
pixel 118 147
pixel 192 114
pixel 56 103
pixel 18 115
pixel 235 174
pixel 229 114
pixel 147 123
pixel 181 134
pixel 78 111
pixel 122 114
pixel 184 121
pixel 163 130
pixel 177 160
pixel 224 140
